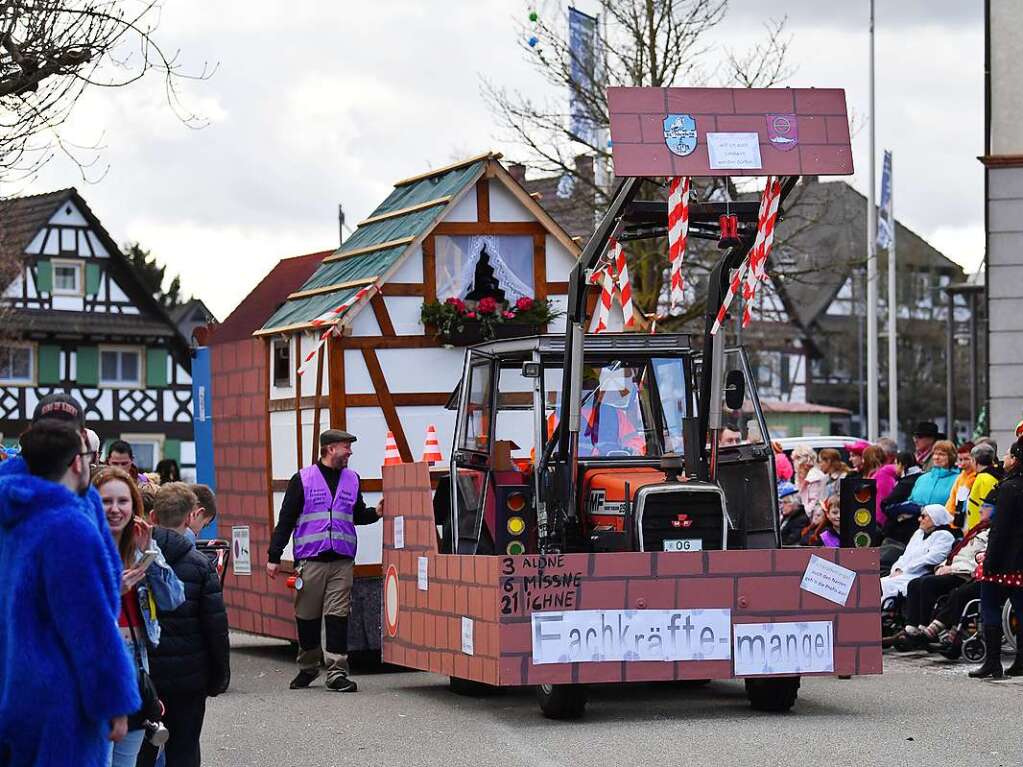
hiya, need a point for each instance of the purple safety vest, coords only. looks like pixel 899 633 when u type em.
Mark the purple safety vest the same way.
pixel 326 524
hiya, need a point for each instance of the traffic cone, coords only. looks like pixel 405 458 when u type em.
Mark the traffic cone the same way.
pixel 431 451
pixel 391 455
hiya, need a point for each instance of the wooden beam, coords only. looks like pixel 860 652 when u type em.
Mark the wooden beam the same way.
pixel 494 227
pixel 298 406
pixel 546 221
pixel 383 318
pixel 557 288
pixel 540 269
pixel 448 168
pixel 429 270
pixel 266 435
pixel 369 249
pixel 402 289
pixel 333 288
pixel 288 403
pixel 405 211
pixel 483 201
pixel 376 375
pixel 316 398
pixel 336 378
pixel 398 342
pixel 411 399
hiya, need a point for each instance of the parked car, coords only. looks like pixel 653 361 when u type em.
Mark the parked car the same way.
pixel 839 443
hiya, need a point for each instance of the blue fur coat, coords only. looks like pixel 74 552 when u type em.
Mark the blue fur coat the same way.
pixel 64 669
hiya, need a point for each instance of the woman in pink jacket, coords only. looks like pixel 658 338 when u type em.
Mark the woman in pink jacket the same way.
pixel 885 475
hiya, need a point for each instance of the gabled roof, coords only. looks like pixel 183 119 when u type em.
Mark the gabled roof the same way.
pixel 22 217
pixel 384 239
pixel 266 297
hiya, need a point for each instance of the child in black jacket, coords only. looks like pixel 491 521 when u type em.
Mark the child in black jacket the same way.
pixel 192 661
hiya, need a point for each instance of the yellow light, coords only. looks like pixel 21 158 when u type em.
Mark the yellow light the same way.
pixel 862 517
pixel 516 502
pixel 516 525
pixel 861 540
pixel 516 547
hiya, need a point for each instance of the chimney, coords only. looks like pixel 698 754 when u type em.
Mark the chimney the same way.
pixel 518 172
pixel 340 223
pixel 584 166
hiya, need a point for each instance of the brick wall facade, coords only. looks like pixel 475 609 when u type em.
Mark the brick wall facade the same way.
pixel 239 372
pixel 424 627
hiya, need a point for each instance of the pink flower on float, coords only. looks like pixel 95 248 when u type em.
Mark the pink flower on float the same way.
pixel 524 304
pixel 458 303
pixel 508 315
pixel 470 315
pixel 487 305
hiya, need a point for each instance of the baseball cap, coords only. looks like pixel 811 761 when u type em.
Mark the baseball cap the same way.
pixel 59 406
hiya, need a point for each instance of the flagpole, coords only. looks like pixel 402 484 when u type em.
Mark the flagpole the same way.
pixel 872 277
pixel 893 312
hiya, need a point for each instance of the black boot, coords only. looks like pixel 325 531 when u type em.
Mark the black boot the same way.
pixel 992 668
pixel 1016 669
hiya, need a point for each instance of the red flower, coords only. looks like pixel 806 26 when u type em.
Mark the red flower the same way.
pixel 508 315
pixel 457 303
pixel 524 304
pixel 470 315
pixel 487 305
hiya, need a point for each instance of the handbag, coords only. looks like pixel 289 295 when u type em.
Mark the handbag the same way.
pixel 152 709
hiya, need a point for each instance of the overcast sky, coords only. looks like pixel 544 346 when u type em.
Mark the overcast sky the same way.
pixel 316 103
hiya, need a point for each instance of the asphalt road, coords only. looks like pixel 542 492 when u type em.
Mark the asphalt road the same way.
pixel 919 713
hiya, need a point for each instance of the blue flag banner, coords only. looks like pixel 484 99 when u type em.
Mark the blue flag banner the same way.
pixel 582 47
pixel 885 216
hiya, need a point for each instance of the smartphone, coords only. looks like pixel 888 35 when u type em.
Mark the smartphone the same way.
pixel 148 557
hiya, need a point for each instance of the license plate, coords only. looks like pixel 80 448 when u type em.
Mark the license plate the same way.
pixel 683 544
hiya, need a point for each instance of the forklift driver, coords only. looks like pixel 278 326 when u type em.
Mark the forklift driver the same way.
pixel 613 419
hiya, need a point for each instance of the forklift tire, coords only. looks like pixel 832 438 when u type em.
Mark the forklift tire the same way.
pixel 562 701
pixel 471 689
pixel 775 694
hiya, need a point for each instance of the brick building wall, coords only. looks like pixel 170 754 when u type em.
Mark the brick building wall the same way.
pixel 239 381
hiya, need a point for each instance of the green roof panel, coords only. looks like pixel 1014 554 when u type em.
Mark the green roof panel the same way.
pixel 302 310
pixel 426 189
pixel 354 268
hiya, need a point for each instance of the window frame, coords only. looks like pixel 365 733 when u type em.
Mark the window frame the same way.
pixel 79 268
pixel 139 383
pixel 33 366
pixel 148 438
pixel 286 342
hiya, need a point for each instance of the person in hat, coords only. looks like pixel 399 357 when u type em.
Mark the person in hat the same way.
pixel 924 436
pixel 321 507
pixel 793 518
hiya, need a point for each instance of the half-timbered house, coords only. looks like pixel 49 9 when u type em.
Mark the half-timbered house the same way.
pixel 77 318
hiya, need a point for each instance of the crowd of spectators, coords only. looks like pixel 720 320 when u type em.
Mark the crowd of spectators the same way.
pixel 950 533
pixel 116 631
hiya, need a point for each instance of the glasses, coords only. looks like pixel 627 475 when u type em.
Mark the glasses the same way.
pixel 82 454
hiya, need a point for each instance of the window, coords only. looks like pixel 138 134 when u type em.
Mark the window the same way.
pixel 507 261
pixel 67 278
pixel 146 449
pixel 282 362
pixel 120 367
pixel 476 434
pixel 16 364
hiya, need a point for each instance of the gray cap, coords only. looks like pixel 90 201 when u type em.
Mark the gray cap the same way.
pixel 330 436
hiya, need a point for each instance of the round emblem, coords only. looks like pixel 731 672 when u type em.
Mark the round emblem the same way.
pixel 391 600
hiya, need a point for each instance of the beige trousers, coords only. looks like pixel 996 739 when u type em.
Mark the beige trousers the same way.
pixel 326 591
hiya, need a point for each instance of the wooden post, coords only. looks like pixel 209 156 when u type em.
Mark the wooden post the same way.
pixel 313 447
pixel 336 375
pixel 298 405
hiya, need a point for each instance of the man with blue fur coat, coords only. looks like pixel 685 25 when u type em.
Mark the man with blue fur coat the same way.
pixel 66 681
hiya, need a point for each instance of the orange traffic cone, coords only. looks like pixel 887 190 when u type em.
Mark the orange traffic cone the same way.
pixel 431 451
pixel 391 455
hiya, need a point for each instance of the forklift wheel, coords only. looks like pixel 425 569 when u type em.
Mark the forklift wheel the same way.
pixel 471 689
pixel 562 701
pixel 777 694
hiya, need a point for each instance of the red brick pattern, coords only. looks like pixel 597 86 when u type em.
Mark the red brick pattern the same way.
pixel 760 586
pixel 254 602
pixel 637 129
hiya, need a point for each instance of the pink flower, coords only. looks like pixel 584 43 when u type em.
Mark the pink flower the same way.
pixel 508 315
pixel 470 315
pixel 457 303
pixel 487 305
pixel 524 304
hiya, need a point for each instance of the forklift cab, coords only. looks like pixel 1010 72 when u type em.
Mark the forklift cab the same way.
pixel 635 488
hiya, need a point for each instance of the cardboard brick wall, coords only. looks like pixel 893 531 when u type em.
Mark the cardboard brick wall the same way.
pixel 423 629
pixel 239 372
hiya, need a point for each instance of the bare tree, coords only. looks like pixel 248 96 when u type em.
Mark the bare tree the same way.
pixel 639 43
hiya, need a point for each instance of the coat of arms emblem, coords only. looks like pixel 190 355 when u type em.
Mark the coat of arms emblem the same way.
pixel 783 131
pixel 680 134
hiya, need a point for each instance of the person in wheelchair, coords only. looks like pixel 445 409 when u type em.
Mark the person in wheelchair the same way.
pixel 923 593
pixel 928 548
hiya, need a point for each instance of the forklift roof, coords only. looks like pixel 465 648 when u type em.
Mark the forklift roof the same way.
pixel 612 343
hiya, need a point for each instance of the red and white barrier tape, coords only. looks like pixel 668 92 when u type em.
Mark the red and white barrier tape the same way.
pixel 678 232
pixel 615 276
pixel 331 319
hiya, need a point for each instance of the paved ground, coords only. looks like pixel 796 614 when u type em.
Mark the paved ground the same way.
pixel 918 713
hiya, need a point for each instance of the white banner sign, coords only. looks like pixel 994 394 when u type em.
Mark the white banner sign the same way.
pixel 783 648
pixel 241 559
pixel 467 643
pixel 828 580
pixel 734 150
pixel 423 581
pixel 399 532
pixel 587 636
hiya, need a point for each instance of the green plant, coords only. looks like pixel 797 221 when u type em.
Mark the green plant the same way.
pixel 454 315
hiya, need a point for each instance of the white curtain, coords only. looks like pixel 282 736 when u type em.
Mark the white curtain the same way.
pixel 511 258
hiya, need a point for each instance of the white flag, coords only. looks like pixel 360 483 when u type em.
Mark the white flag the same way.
pixel 885 217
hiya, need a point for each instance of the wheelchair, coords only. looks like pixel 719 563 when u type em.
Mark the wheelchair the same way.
pixel 972 630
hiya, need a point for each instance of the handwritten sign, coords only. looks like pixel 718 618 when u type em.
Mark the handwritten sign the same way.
pixel 541 582
pixel 783 648
pixel 467 635
pixel 399 532
pixel 828 580
pixel 734 150
pixel 423 582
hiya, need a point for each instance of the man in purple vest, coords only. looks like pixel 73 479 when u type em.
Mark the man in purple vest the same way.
pixel 321 507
